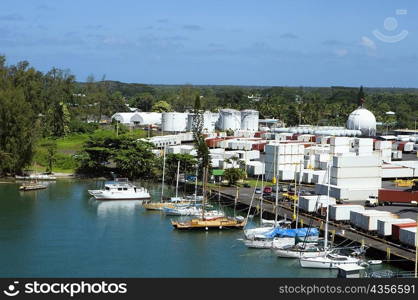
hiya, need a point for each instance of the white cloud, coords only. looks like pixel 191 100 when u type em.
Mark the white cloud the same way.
pixel 341 52
pixel 368 43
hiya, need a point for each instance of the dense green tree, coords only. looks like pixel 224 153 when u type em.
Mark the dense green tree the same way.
pixel 232 175
pixel 161 106
pixel 187 165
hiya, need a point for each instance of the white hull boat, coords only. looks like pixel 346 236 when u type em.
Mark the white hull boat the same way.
pixel 299 251
pixel 263 243
pixel 120 190
pixel 36 177
pixel 328 261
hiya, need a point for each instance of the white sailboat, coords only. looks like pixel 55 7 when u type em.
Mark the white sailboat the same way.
pixel 328 259
pixel 300 250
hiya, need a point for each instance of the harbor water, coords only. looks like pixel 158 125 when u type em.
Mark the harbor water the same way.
pixel 62 232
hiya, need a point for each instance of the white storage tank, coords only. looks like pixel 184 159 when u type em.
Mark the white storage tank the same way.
pixel 229 119
pixel 209 121
pixel 174 122
pixel 249 119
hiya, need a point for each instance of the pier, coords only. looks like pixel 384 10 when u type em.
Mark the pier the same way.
pixel 393 252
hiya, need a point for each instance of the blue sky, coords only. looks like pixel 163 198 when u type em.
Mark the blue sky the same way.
pixel 294 43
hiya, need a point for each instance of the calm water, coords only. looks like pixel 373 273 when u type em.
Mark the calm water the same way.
pixel 61 232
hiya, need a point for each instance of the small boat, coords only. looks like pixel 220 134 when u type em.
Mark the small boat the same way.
pixel 261 242
pixel 203 224
pixel 328 261
pixel 251 232
pixel 43 176
pixel 121 189
pixel 192 211
pixel 300 250
pixel 173 202
pixel 32 187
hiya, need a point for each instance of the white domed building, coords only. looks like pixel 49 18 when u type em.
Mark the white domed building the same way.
pixel 363 120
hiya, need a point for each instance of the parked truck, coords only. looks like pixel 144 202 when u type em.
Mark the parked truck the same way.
pixel 389 196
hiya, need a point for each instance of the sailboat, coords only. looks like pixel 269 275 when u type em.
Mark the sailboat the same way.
pixel 256 237
pixel 173 202
pixel 328 258
pixel 205 223
pixel 33 184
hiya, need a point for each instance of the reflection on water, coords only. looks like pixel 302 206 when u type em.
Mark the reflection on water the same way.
pixel 116 207
pixel 61 231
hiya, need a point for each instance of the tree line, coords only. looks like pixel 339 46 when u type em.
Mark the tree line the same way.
pixel 49 105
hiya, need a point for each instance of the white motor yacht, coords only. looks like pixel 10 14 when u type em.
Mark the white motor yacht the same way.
pixel 121 189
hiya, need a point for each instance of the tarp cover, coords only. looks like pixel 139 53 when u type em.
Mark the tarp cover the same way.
pixel 284 232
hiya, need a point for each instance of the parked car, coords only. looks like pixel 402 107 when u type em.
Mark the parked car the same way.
pixel 247 185
pixel 268 190
pixel 258 190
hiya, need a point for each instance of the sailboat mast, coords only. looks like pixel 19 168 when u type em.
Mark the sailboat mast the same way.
pixel 195 185
pixel 162 185
pixel 327 216
pixel 178 175
pixel 276 203
pixel 261 199
pixel 205 178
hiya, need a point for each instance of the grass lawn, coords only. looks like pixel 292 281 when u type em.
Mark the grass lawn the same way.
pixel 68 146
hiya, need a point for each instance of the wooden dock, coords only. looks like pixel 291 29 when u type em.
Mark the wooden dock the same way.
pixel 392 251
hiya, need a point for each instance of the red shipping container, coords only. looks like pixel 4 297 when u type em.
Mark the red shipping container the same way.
pixel 397 196
pixel 396 228
pixel 259 133
pixel 401 146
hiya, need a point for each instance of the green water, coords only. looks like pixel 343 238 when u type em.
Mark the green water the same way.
pixel 61 232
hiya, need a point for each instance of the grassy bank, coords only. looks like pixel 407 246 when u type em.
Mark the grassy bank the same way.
pixel 67 147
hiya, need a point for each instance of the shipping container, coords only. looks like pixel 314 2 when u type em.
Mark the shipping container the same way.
pixel 313 203
pixel 384 227
pixel 367 218
pixel 397 227
pixel 387 197
pixel 407 236
pixel 341 212
pixel 356 161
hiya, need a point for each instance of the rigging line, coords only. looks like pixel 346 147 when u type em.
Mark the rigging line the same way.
pixel 252 198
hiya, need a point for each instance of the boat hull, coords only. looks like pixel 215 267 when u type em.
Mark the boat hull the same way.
pixel 325 264
pixel 297 254
pixel 199 224
pixel 98 195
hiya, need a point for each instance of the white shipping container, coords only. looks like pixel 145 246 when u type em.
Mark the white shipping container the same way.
pixel 356 161
pixel 313 203
pixel 384 227
pixel 356 218
pixel 355 172
pixel 369 222
pixel 380 145
pixel 358 182
pixel 340 149
pixel 340 141
pixel 341 212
